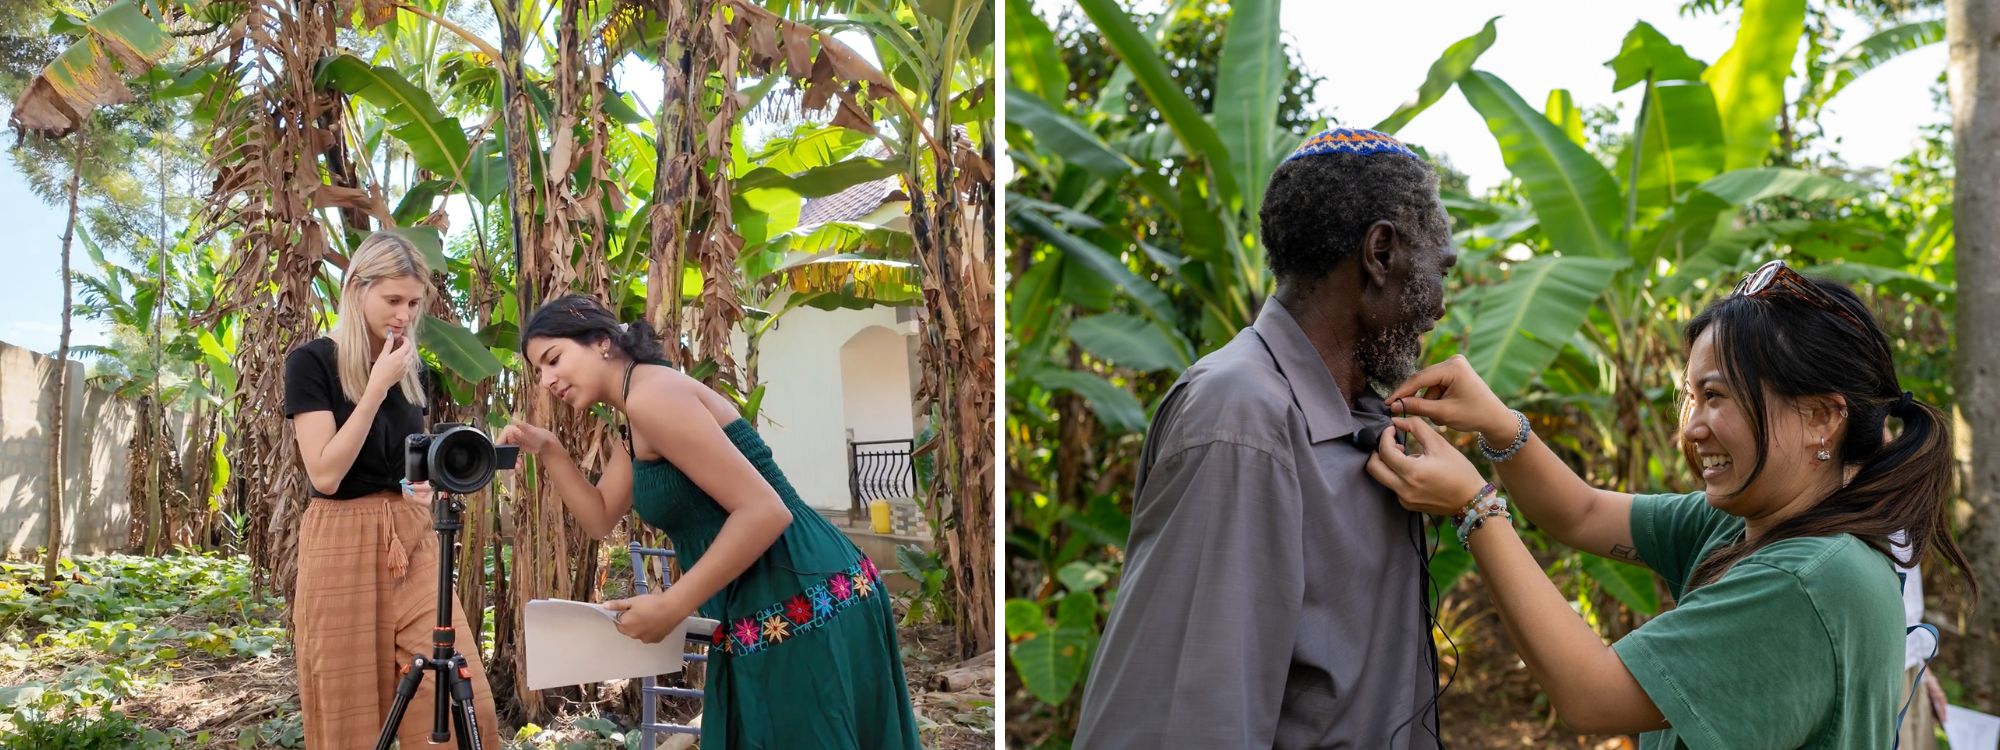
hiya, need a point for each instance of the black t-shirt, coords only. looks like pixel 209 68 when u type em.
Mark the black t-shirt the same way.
pixel 312 383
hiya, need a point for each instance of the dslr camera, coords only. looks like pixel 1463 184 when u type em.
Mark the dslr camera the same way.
pixel 456 458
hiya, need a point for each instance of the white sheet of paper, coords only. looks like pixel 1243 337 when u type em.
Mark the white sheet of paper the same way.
pixel 1971 730
pixel 572 643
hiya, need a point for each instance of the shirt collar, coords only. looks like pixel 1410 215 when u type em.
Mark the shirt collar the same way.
pixel 1313 389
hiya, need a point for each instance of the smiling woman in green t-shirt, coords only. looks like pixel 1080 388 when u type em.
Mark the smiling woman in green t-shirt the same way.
pixel 1789 627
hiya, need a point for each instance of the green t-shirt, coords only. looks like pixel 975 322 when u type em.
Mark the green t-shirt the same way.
pixel 1799 645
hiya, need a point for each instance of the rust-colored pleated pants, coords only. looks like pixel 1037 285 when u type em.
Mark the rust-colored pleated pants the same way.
pixel 366 604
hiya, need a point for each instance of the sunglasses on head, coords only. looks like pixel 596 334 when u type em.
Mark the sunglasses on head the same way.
pixel 1775 279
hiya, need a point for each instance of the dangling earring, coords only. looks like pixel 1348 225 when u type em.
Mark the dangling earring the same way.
pixel 1823 455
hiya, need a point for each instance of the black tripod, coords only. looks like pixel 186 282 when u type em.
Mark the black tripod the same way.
pixel 454 693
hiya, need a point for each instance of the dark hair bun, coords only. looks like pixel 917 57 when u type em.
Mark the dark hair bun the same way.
pixel 639 341
pixel 585 320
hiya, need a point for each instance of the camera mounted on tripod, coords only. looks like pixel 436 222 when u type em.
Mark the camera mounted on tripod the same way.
pixel 456 458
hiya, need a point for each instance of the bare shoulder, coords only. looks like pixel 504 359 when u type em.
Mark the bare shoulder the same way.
pixel 671 393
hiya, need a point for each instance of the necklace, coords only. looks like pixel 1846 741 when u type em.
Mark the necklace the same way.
pixel 625 427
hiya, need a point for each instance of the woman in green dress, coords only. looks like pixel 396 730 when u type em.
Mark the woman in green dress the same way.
pixel 806 655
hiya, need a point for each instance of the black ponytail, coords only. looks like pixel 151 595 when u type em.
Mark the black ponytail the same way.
pixel 586 321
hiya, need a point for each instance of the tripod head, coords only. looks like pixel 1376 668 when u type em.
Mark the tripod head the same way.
pixel 447 512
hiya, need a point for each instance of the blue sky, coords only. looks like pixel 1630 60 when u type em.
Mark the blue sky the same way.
pixel 31 254
pixel 1371 65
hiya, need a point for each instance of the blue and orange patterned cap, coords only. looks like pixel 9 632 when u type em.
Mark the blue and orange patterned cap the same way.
pixel 1352 141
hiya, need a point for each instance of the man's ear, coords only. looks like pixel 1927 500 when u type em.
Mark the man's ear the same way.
pixel 1378 253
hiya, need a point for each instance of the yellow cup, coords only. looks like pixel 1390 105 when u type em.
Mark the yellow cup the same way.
pixel 878 516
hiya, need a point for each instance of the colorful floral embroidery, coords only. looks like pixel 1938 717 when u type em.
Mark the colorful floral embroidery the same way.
pixel 797 610
pixel 746 636
pixel 839 585
pixel 718 639
pixel 776 630
pixel 804 612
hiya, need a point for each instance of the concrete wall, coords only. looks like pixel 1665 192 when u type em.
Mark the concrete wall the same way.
pixel 96 514
pixel 806 410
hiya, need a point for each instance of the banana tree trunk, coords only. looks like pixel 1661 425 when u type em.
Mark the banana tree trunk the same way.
pixel 674 168
pixel 1972 33
pixel 954 248
pixel 259 190
pixel 715 243
pixel 551 556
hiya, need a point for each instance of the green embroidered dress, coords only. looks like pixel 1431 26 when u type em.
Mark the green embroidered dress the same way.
pixel 806 656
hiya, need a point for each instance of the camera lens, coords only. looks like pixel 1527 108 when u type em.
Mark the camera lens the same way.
pixel 462 461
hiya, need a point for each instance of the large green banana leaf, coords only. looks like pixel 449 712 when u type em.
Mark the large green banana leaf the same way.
pixel 1749 80
pixel 1572 193
pixel 1520 324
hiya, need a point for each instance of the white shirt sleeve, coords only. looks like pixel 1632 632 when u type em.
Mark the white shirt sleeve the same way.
pixel 1918 644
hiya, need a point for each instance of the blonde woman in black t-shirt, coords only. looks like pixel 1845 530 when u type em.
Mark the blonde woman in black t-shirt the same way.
pixel 366 598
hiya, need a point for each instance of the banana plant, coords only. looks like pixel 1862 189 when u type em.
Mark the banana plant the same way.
pixel 87 74
pixel 847 264
pixel 1635 238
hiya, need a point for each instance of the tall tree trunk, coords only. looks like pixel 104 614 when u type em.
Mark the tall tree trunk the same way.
pixel 673 173
pixel 260 189
pixel 510 693
pixel 56 438
pixel 715 242
pixel 1972 33
pixel 155 510
pixel 955 248
pixel 552 556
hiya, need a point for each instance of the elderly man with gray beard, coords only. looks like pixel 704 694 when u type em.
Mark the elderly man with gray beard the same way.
pixel 1274 594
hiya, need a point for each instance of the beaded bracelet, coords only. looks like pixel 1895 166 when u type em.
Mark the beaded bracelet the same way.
pixel 1459 517
pixel 1486 507
pixel 1520 440
pixel 1474 522
pixel 1472 516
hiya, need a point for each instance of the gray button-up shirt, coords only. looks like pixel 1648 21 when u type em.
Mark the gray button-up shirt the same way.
pixel 1272 589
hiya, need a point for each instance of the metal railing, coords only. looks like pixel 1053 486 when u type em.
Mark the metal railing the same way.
pixel 878 473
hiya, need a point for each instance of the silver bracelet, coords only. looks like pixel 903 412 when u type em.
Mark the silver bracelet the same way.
pixel 1520 441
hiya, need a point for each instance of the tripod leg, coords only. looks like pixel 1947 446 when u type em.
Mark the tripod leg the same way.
pixel 442 705
pixel 413 673
pixel 465 714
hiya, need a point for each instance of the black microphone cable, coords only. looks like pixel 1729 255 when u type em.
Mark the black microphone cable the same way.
pixel 1426 552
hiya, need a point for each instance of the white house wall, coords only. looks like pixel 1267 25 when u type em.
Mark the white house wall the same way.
pixel 875 384
pixel 806 410
pixel 875 388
